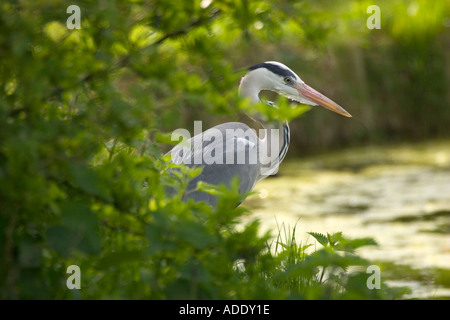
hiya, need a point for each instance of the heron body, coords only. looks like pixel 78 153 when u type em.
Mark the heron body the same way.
pixel 234 149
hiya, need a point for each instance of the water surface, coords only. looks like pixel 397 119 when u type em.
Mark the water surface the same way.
pixel 398 195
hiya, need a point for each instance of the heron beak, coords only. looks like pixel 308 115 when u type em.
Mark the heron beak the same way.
pixel 319 99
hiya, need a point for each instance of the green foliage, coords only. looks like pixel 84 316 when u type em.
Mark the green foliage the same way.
pixel 284 110
pixel 82 177
pixel 325 273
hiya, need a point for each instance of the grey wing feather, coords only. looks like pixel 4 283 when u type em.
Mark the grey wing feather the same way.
pixel 213 150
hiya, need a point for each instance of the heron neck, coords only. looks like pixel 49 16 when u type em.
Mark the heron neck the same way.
pixel 282 145
pixel 250 87
pixel 283 136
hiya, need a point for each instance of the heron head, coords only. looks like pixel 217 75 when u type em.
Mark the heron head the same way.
pixel 275 76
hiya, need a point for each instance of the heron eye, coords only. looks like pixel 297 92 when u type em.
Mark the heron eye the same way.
pixel 287 80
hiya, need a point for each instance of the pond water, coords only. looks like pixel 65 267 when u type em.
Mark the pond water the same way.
pixel 398 195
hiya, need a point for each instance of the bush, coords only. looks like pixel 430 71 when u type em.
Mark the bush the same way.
pixel 82 176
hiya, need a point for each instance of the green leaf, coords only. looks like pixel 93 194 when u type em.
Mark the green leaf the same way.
pixel 196 235
pixel 321 238
pixel 89 181
pixel 115 259
pixel 78 216
pixel 78 230
pixel 63 239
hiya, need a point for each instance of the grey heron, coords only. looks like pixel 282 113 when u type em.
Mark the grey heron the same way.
pixel 226 149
